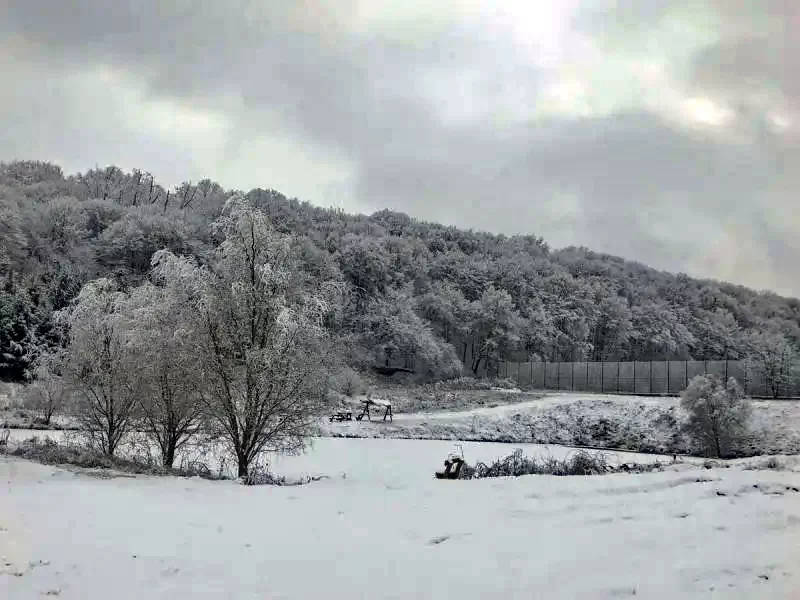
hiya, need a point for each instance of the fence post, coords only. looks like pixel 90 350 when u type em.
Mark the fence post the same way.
pixel 634 376
pixel 651 377
pixel 544 374
pixel 705 367
pixel 685 374
pixel 518 379
pixel 746 378
pixel 531 363
pixel 586 384
pixel 572 380
pixel 558 376
pixel 618 385
pixel 602 376
pixel 668 378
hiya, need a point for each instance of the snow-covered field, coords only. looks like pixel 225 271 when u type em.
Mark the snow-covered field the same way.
pixel 387 529
pixel 598 420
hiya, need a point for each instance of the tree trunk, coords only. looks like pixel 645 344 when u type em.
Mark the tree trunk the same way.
pixel 168 458
pixel 244 465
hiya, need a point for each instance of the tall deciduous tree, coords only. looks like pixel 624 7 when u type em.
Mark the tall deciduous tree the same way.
pixel 99 363
pixel 262 345
pixel 164 350
pixel 774 358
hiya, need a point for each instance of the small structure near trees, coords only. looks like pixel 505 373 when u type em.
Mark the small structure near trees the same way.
pixel 367 402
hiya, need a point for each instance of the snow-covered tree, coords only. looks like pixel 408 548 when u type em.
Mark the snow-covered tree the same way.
pixel 48 392
pixel 401 337
pixel 164 348
pixel 20 335
pixel 772 356
pixel 263 349
pixel 717 414
pixel 495 328
pixel 99 366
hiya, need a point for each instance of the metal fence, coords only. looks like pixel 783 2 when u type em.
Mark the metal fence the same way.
pixel 656 378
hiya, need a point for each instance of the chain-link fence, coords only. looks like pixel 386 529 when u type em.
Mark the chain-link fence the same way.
pixel 643 377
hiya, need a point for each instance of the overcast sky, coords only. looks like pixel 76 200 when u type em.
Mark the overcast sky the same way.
pixel 666 131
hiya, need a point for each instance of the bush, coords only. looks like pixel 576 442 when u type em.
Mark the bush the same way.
pixel 516 464
pixel 265 477
pixel 50 452
pixel 718 414
pixel 581 463
pixel 770 464
pixel 464 384
pixel 504 384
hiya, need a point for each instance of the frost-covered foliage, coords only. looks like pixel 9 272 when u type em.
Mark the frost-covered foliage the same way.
pixel 580 463
pixel 98 364
pixel 718 414
pixel 49 391
pixel 775 360
pixel 261 345
pixel 417 294
pixel 164 355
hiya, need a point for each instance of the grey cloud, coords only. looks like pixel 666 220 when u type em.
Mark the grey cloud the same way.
pixel 424 123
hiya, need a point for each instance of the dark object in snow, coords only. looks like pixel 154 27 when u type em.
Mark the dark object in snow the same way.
pixel 365 410
pixel 341 416
pixel 389 371
pixel 452 467
pixel 719 493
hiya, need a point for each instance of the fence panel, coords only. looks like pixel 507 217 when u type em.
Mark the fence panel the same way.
pixel 524 375
pixel 641 377
pixel 658 377
pixel 580 376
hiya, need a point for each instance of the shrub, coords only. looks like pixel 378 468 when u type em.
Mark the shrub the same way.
pixel 718 414
pixel 464 384
pixel 50 452
pixel 505 384
pixel 516 464
pixel 770 464
pixel 581 463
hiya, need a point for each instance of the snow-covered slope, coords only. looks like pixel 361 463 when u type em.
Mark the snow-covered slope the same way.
pixel 388 530
pixel 606 421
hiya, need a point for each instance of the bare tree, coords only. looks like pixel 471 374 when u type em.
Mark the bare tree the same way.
pixel 163 350
pixel 98 365
pixel 263 347
pixel 718 414
pixel 48 393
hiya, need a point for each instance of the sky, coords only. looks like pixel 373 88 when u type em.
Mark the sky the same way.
pixel 666 132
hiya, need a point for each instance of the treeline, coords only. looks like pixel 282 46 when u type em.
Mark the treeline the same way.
pixel 416 294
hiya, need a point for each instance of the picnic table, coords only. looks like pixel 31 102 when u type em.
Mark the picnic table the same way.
pixel 341 416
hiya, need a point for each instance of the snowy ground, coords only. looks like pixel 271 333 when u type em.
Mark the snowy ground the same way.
pixel 387 529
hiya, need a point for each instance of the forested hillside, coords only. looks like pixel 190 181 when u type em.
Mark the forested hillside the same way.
pixel 416 294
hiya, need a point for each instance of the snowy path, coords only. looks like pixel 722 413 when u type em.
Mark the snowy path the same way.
pixel 388 530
